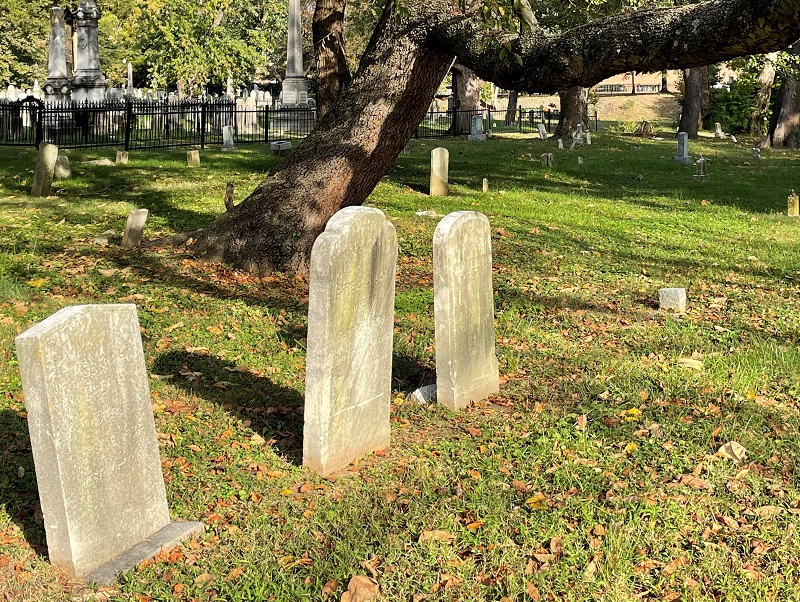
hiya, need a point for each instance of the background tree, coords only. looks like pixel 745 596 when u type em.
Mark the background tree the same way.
pixel 410 51
pixel 24 34
pixel 783 123
pixel 695 98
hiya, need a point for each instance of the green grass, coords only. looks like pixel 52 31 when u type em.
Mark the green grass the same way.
pixel 591 477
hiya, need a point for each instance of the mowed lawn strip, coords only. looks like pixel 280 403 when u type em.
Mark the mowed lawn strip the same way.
pixel 593 476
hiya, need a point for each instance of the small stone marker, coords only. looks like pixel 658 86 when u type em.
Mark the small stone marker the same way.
pixel 701 175
pixel 560 143
pixel 122 157
pixel 423 395
pixel 542 132
pixel 672 298
pixel 588 137
pixel 793 205
pixel 476 128
pixel 683 149
pixel 45 166
pixel 134 227
pixel 580 160
pixel 280 147
pixel 94 442
pixel 349 349
pixel 227 138
pixel 440 159
pixel 757 157
pixel 718 133
pixel 734 139
pixel 548 159
pixel 193 158
pixel 62 169
pixel 466 365
pixel 485 185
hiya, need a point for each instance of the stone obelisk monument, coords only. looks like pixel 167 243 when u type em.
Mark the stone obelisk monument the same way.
pixel 57 86
pixel 295 88
pixel 88 82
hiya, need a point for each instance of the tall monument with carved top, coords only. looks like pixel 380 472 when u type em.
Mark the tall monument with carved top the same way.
pixel 294 91
pixel 57 86
pixel 88 82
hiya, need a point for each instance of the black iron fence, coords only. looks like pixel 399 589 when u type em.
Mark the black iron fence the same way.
pixel 135 124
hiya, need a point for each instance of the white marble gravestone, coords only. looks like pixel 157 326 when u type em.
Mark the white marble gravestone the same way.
pixel 476 128
pixel 94 441
pixel 134 228
pixel 45 167
pixel 227 138
pixel 542 132
pixel 466 365
pixel 440 165
pixel 682 155
pixel 672 298
pixel 350 328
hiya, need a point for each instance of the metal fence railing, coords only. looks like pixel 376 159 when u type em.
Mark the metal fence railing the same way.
pixel 135 124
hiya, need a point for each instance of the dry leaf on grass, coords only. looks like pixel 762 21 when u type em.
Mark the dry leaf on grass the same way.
pixel 533 592
pixel 329 588
pixel 436 535
pixel 733 451
pixel 696 483
pixel 361 588
pixel 674 565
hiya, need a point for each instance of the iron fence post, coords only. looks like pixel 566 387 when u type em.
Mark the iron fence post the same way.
pixel 266 125
pixel 128 123
pixel 203 124
pixel 519 120
pixel 596 123
pixel 39 115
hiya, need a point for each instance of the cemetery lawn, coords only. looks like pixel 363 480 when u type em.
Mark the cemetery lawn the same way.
pixel 594 475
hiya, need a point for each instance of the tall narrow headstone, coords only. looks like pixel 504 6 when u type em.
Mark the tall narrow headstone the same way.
pixel 588 137
pixel 94 441
pixel 485 185
pixel 45 167
pixel 130 79
pixel 793 205
pixel 466 365
pixel 295 87
pixel 350 327
pixel 476 128
pixel 682 155
pixel 560 143
pixel 542 132
pixel 227 138
pixel 718 133
pixel 440 159
pixel 134 228
pixel 57 86
pixel 88 81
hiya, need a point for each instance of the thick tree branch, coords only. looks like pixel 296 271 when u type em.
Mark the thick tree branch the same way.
pixel 651 40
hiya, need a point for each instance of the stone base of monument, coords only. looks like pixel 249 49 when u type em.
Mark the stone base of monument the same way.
pixel 167 538
pixel 701 178
pixel 684 160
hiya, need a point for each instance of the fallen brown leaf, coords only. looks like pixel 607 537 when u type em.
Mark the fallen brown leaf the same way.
pixel 361 588
pixel 436 535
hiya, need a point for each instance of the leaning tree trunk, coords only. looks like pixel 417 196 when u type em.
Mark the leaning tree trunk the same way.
pixel 511 109
pixel 333 74
pixel 757 125
pixel 466 97
pixel 339 163
pixel 692 114
pixel 574 110
pixel 783 127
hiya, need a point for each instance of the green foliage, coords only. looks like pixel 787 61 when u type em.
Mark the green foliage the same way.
pixel 731 108
pixel 24 34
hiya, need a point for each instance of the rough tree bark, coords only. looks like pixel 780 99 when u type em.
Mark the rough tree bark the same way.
pixel 574 110
pixel 333 74
pixel 783 126
pixel 511 109
pixel 359 138
pixel 757 125
pixel 692 113
pixel 664 84
pixel 466 97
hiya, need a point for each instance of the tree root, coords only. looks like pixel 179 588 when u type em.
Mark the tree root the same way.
pixel 176 240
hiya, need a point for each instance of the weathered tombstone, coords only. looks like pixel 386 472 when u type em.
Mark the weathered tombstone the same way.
pixel 548 159
pixel 757 157
pixel 193 158
pixel 62 170
pixel 440 160
pixel 683 149
pixel 466 365
pixel 280 147
pixel 588 137
pixel 672 298
pixel 561 143
pixel 94 442
pixel 134 227
pixel 580 160
pixel 579 131
pixel 734 139
pixel 542 132
pixel 227 138
pixel 476 128
pixel 793 205
pixel 122 157
pixel 45 166
pixel 701 175
pixel 350 327
pixel 485 185
pixel 718 133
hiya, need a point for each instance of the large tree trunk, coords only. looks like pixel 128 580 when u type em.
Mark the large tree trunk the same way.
pixel 339 163
pixel 333 74
pixel 574 110
pixel 466 97
pixel 694 81
pixel 757 126
pixel 783 126
pixel 664 84
pixel 511 109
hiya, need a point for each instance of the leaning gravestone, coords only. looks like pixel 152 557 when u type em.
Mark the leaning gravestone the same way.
pixel 350 327
pixel 542 132
pixel 94 442
pixel 440 159
pixel 193 158
pixel 683 149
pixel 466 365
pixel 45 166
pixel 134 227
pixel 62 169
